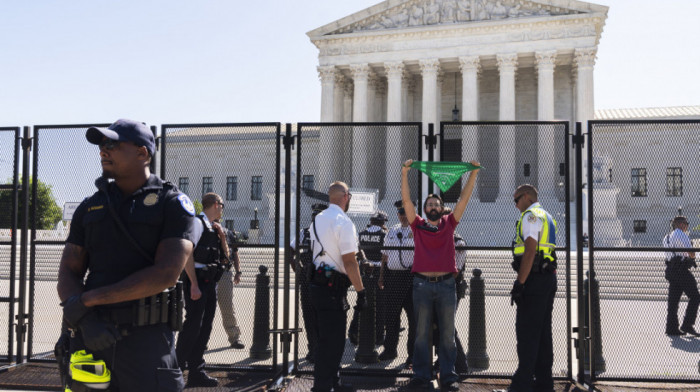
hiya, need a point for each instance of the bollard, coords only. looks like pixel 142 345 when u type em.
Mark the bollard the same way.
pixel 596 341
pixel 366 353
pixel 476 354
pixel 260 349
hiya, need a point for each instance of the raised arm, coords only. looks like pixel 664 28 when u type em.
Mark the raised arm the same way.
pixel 406 192
pixel 466 193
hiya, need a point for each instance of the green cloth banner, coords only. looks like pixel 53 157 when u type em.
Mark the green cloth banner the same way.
pixel 444 174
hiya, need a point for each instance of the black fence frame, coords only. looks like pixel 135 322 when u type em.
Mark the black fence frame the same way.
pixel 18 337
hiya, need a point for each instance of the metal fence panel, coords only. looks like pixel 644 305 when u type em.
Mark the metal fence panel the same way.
pixel 9 198
pixel 239 162
pixel 640 175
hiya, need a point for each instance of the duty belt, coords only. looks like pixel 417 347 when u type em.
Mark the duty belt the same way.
pixel 162 308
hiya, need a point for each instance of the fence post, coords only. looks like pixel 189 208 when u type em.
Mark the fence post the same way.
pixel 260 349
pixel 592 321
pixel 366 353
pixel 476 352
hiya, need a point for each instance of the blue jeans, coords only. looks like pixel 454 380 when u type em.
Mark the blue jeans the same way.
pixel 441 298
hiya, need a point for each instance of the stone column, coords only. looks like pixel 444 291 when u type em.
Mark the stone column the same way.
pixel 347 131
pixel 339 98
pixel 584 59
pixel 347 100
pixel 394 137
pixel 470 67
pixel 438 101
pixel 507 66
pixel 327 76
pixel 327 142
pixel 429 70
pixel 408 90
pixel 360 76
pixel 546 180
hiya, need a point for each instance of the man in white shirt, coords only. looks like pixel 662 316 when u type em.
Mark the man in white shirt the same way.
pixel 334 245
pixel 680 279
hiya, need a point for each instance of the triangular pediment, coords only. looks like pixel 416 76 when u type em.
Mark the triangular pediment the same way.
pixel 402 14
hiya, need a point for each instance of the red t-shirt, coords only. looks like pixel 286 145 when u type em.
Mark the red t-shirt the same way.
pixel 435 251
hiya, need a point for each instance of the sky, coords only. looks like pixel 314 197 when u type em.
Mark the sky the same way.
pixel 206 61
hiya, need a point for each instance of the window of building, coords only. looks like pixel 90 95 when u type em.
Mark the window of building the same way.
pixel 256 188
pixel 674 181
pixel 207 185
pixel 640 226
pixel 228 223
pixel 639 182
pixel 307 182
pixel 231 188
pixel 184 185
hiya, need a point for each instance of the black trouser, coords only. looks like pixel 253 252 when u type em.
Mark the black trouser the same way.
pixel 370 277
pixel 331 308
pixel 533 330
pixel 308 313
pixel 199 317
pixel 681 280
pixel 144 360
pixel 398 295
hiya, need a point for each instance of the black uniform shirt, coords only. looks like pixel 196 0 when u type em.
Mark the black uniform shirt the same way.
pixel 154 212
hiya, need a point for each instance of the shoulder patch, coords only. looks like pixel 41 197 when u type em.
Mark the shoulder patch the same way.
pixel 186 203
pixel 532 218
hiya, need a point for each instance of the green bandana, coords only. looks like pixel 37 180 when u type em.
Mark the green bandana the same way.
pixel 444 174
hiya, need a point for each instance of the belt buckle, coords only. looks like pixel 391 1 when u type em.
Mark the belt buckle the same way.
pixel 433 279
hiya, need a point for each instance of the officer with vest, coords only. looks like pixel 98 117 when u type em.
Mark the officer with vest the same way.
pixel 334 249
pixel 371 241
pixel 533 291
pixel 396 284
pixel 304 262
pixel 202 272
pixel 131 239
pixel 680 279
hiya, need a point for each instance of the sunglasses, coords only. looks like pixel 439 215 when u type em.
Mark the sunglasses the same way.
pixel 518 198
pixel 220 203
pixel 109 144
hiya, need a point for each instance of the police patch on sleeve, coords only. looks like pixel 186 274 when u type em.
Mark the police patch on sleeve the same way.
pixel 186 203
pixel 532 218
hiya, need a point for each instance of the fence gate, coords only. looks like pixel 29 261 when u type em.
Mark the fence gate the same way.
pixel 636 172
pixel 241 163
pixel 512 153
pixel 9 205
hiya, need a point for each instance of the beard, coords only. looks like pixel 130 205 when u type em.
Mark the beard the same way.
pixel 433 215
pixel 107 174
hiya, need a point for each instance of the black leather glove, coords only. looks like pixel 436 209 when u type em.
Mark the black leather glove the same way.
pixel 516 294
pixel 97 334
pixel 361 300
pixel 74 310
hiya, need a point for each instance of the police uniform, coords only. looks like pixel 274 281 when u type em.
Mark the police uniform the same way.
pixel 680 280
pixel 332 235
pixel 398 291
pixel 461 286
pixel 307 311
pixel 144 359
pixel 199 317
pixel 224 295
pixel 370 240
pixel 533 322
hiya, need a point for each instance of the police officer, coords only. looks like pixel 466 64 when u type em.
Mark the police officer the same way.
pixel 396 283
pixel 203 271
pixel 132 239
pixel 680 279
pixel 305 262
pixel 224 291
pixel 334 247
pixel 371 241
pixel 533 292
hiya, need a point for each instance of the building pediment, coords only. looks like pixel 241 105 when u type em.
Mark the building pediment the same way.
pixel 405 14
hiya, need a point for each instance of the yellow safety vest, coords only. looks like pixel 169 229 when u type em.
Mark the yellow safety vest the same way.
pixel 548 239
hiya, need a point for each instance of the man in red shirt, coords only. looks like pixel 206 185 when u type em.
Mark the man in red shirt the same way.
pixel 434 270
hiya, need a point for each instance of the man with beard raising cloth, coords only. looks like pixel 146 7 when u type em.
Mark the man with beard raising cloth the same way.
pixel 434 271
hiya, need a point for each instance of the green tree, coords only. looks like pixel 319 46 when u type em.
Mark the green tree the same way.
pixel 197 207
pixel 48 213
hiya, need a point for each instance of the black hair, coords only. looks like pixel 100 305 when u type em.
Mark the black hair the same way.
pixel 433 196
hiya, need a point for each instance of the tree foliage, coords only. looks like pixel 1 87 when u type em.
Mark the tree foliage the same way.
pixel 48 213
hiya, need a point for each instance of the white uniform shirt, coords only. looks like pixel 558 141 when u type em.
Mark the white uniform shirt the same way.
pixel 532 225
pixel 337 236
pixel 399 260
pixel 676 239
pixel 461 255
